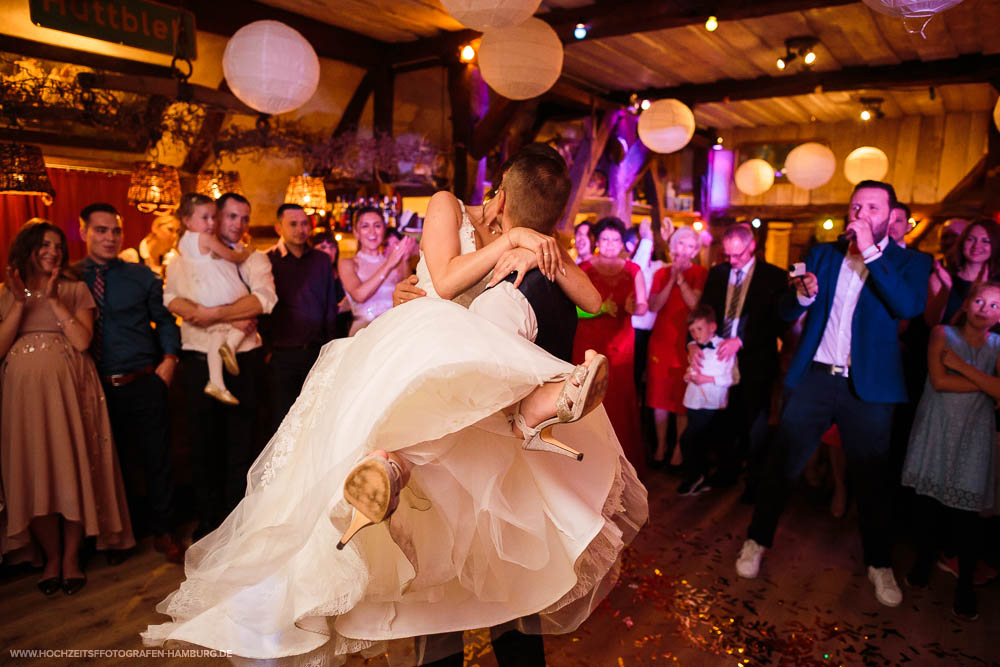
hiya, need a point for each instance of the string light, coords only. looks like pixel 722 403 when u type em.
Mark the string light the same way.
pixel 755 223
pixel 698 225
pixel 828 224
pixel 645 104
pixel 580 31
pixel 467 54
pixel 712 24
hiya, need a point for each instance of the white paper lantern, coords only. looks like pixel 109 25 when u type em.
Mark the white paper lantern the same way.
pixel 754 177
pixel 270 67
pixel 483 15
pixel 810 165
pixel 666 126
pixel 866 164
pixel 996 115
pixel 915 13
pixel 523 61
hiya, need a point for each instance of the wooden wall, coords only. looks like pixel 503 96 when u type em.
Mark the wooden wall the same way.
pixel 928 155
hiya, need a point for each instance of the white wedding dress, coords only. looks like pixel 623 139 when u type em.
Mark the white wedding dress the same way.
pixel 485 532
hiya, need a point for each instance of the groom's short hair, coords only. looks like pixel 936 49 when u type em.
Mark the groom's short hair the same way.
pixel 537 185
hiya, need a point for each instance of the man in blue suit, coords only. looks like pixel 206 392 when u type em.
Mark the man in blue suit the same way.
pixel 846 371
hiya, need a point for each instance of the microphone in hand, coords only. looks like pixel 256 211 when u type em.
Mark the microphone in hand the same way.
pixel 848 236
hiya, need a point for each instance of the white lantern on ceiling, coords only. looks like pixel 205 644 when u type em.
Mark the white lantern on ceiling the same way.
pixel 754 177
pixel 523 61
pixel 810 165
pixel 666 126
pixel 270 67
pixel 915 13
pixel 866 164
pixel 996 115
pixel 483 15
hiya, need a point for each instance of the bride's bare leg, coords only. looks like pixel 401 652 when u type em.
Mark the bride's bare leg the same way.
pixel 540 404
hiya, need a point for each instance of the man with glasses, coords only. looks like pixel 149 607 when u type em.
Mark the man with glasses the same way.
pixel 744 292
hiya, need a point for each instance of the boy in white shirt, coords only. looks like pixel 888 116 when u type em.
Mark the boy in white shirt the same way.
pixel 706 397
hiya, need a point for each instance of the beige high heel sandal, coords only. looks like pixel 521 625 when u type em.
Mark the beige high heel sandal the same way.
pixel 372 489
pixel 575 401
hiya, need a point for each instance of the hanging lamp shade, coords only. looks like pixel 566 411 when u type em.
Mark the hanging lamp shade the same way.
pixel 666 126
pixel 270 67
pixel 810 165
pixel 522 61
pixel 307 191
pixel 154 187
pixel 996 115
pixel 915 13
pixel 214 184
pixel 754 177
pixel 22 172
pixel 866 164
pixel 483 15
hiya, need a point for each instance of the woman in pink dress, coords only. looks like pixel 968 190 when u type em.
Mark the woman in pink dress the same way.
pixel 675 291
pixel 61 479
pixel 610 333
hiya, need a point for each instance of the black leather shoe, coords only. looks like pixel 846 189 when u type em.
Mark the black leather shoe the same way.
pixel 72 586
pixel 116 556
pixel 50 586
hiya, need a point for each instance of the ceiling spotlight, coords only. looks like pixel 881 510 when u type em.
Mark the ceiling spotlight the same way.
pixel 828 224
pixel 871 107
pixel 467 54
pixel 580 31
pixel 718 144
pixel 798 47
pixel 712 24
pixel 755 223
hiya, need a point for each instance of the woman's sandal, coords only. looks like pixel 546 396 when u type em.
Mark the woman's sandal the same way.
pixel 372 488
pixel 574 402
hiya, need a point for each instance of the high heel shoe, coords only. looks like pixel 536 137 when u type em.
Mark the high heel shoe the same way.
pixel 575 401
pixel 372 488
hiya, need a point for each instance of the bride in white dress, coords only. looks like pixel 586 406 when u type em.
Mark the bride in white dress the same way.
pixel 485 532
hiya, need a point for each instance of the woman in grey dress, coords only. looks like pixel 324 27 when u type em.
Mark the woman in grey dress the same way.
pixel 949 461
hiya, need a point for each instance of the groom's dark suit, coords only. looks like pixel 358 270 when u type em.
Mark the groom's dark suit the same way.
pixel 537 309
pixel 859 398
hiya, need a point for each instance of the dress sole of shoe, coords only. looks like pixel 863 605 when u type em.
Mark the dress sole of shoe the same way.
pixel 367 489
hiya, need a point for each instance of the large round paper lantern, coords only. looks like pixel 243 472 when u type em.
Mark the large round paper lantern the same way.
pixel 523 61
pixel 483 15
pixel 810 165
pixel 915 13
pixel 666 126
pixel 270 67
pixel 754 177
pixel 996 115
pixel 866 164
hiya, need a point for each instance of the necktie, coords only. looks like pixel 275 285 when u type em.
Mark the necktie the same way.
pixel 732 308
pixel 707 346
pixel 98 291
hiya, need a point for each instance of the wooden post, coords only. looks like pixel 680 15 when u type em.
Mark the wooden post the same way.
pixel 460 94
pixel 383 99
pixel 585 160
pixel 991 178
pixel 623 178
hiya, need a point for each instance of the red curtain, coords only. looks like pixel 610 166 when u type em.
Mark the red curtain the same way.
pixel 74 190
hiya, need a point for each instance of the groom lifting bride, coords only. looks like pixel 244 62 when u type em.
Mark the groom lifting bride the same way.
pixel 509 533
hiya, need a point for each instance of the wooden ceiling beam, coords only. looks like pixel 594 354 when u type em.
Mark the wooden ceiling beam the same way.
pixel 44 51
pixel 172 89
pixel 329 41
pixel 972 68
pixel 617 18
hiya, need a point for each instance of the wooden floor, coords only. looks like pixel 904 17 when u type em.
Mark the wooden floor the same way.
pixel 678 601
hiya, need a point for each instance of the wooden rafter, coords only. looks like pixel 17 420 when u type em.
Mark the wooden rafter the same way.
pixel 32 49
pixel 973 68
pixel 201 148
pixel 167 87
pixel 355 107
pixel 491 127
pixel 585 160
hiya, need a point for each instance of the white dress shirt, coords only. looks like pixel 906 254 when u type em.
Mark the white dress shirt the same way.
pixel 712 395
pixel 255 272
pixel 505 306
pixel 835 345
pixel 738 292
pixel 643 257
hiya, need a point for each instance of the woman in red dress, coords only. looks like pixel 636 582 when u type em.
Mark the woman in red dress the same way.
pixel 675 291
pixel 610 332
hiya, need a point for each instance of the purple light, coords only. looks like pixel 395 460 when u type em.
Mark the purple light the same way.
pixel 720 175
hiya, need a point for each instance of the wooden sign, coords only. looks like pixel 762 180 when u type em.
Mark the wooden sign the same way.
pixel 139 23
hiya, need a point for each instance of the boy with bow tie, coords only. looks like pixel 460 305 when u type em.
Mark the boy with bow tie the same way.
pixel 706 397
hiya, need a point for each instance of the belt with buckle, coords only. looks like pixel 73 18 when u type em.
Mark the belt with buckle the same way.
pixel 122 379
pixel 833 369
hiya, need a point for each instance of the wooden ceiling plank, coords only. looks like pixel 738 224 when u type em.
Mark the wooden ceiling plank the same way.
pixel 617 57
pixel 899 40
pixel 863 32
pixel 654 55
pixel 962 23
pixel 705 49
pixel 824 23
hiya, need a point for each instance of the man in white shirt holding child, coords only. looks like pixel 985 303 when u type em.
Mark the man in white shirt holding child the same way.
pixel 706 397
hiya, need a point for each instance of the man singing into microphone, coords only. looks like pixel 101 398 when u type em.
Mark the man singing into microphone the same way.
pixel 847 371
